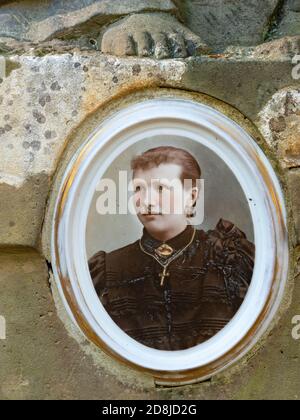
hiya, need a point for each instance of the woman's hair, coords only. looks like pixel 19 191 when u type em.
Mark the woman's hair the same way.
pixel 167 154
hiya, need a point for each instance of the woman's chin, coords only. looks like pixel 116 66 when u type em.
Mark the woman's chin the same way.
pixel 154 223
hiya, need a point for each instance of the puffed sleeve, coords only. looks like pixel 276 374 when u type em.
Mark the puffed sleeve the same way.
pixel 97 267
pixel 234 255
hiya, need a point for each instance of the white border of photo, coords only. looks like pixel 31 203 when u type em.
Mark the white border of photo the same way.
pixel 239 151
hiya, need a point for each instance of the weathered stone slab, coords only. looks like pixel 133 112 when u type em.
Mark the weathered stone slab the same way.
pixel 21 208
pixel 221 23
pixel 44 99
pixel 40 360
pixel 41 103
pixel 37 21
pixel 280 125
pixel 290 21
pixel 218 23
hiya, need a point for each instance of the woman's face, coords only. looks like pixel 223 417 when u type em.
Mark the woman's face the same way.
pixel 161 200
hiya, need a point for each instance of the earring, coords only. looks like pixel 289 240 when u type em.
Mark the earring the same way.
pixel 190 211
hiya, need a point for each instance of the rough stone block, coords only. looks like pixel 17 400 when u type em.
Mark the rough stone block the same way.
pixel 290 19
pixel 221 23
pixel 280 124
pixel 58 91
pixel 37 21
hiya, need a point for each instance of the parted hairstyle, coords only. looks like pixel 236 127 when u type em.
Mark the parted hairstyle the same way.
pixel 168 154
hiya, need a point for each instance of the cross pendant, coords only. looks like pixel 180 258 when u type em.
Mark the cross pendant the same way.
pixel 163 275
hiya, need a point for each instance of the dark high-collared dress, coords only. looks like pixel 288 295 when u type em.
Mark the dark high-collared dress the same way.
pixel 205 287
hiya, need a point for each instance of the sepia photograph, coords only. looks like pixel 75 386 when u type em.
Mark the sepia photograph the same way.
pixel 175 271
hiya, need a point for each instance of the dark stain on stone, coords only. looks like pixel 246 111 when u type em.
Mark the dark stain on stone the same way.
pixel 35 69
pixel 44 100
pixel 10 103
pixel 1 80
pixel 6 117
pixel 11 66
pixel 77 65
pixel 115 79
pixel 136 69
pixel 12 224
pixel 55 86
pixel 41 119
pixel 290 105
pixel 50 134
pixel 7 127
pixel 28 127
pixel 85 69
pixel 2 131
pixel 74 113
pixel 36 145
pixel 277 125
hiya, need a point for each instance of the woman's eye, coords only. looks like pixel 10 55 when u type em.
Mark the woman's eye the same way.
pixel 137 189
pixel 161 188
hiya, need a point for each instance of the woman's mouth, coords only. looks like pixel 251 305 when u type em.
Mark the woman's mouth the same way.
pixel 150 215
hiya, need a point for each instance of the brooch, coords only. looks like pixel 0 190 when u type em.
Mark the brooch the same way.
pixel 164 250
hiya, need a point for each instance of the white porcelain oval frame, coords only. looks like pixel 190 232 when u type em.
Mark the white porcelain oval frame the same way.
pixel 260 184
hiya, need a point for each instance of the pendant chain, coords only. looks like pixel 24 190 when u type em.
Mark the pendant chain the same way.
pixel 165 266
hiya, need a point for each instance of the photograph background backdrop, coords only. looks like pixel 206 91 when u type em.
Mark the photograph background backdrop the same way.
pixel 223 198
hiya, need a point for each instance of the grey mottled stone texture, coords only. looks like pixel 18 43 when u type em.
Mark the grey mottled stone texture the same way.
pixel 289 24
pixel 35 125
pixel 33 20
pixel 220 23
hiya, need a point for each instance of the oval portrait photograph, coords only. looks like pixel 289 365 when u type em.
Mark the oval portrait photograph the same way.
pixel 170 243
pixel 168 228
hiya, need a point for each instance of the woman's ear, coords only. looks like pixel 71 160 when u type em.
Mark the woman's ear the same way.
pixel 190 210
pixel 194 195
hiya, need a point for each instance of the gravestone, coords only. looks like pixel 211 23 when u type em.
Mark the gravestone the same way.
pixel 68 66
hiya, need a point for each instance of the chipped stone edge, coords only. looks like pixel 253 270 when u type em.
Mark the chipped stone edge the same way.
pixel 2 67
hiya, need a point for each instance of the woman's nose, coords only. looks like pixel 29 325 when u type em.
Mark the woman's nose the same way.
pixel 150 199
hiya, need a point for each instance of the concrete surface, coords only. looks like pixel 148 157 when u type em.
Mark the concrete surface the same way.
pixel 39 360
